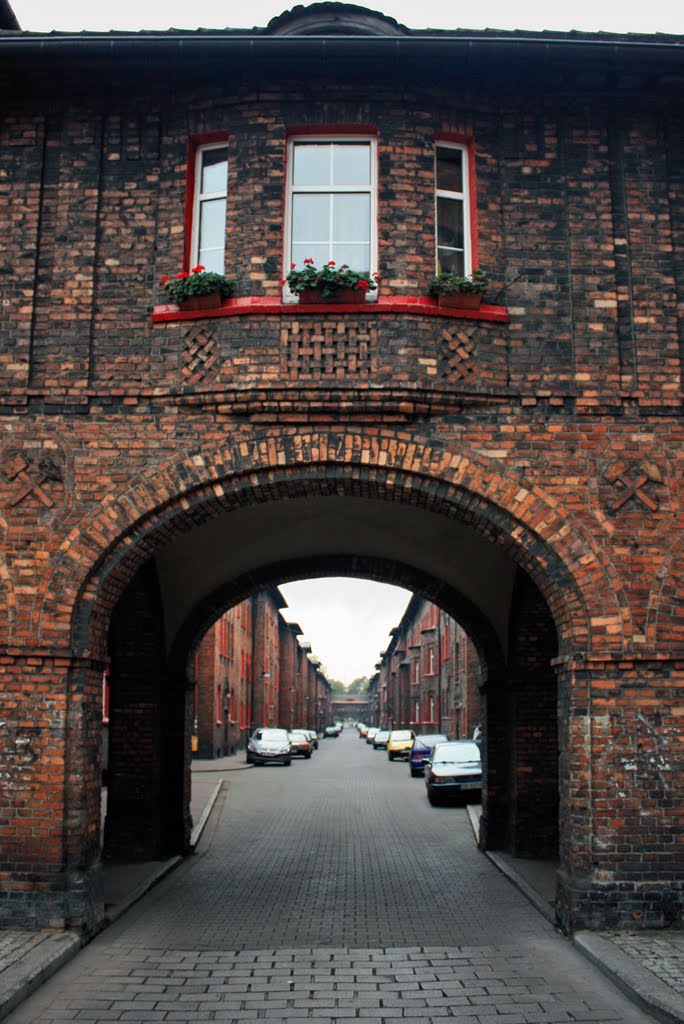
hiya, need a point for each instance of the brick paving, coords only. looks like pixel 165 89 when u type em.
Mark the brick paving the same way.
pixel 332 891
pixel 661 953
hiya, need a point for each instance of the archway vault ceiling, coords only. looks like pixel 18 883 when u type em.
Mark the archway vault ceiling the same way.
pixel 247 539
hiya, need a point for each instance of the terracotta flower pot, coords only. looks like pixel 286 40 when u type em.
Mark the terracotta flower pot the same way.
pixel 212 301
pixel 460 300
pixel 344 296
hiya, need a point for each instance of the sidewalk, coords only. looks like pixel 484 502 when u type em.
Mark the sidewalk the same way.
pixel 648 966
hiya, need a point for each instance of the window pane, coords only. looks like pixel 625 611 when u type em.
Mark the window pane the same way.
pixel 450 222
pixel 450 261
pixel 449 169
pixel 212 230
pixel 320 254
pixel 311 164
pixel 355 256
pixel 351 164
pixel 310 218
pixel 214 170
pixel 212 259
pixel 351 218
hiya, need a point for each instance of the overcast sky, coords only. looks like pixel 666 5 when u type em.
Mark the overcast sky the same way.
pixel 346 621
pixel 590 15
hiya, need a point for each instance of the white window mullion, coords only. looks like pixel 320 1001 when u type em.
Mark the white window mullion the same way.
pixel 457 258
pixel 210 252
pixel 352 248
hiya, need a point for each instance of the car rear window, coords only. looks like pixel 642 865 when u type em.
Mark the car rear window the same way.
pixel 431 740
pixel 401 734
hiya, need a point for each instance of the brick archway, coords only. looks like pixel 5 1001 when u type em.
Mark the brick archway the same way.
pixel 73 606
pixel 576 579
pixel 378 569
pixel 665 606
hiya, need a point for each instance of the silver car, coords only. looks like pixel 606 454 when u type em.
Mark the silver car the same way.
pixel 454 769
pixel 269 745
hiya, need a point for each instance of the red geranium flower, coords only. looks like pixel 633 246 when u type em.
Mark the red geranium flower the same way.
pixel 363 285
pixel 331 263
pixel 198 269
pixel 163 279
pixel 183 274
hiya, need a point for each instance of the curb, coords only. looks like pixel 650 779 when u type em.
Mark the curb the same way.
pixel 525 888
pixel 635 981
pixel 22 979
pixel 642 987
pixel 114 913
pixel 199 827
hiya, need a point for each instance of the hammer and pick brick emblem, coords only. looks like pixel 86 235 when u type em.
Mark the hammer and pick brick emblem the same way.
pixel 632 481
pixel 30 479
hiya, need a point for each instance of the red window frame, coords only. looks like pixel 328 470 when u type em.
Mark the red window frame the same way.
pixel 468 142
pixel 195 142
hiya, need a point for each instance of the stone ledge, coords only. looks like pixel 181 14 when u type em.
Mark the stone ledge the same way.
pixel 253 305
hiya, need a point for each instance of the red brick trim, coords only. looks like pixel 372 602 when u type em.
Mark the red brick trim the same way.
pixel 252 305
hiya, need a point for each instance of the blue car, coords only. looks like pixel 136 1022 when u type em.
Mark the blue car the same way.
pixel 422 747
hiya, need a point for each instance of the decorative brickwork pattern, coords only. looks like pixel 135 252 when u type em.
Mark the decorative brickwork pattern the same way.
pixel 199 355
pixel 30 480
pixel 332 348
pixel 460 357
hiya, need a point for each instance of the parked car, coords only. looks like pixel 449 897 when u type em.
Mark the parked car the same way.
pixel 371 733
pixel 300 743
pixel 423 745
pixel 454 769
pixel 363 729
pixel 266 746
pixel 331 732
pixel 399 743
pixel 313 736
pixel 380 739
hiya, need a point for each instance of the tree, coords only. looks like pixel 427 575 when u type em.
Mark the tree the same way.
pixel 358 685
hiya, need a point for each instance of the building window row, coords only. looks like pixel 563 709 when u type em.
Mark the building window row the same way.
pixel 331 204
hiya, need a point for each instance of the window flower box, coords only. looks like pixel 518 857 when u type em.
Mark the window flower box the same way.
pixel 212 301
pixel 460 300
pixel 458 291
pixel 330 283
pixel 344 296
pixel 199 289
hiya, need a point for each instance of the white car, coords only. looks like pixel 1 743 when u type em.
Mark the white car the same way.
pixel 266 746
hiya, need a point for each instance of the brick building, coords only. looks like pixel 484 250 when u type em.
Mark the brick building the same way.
pixel 519 466
pixel 429 677
pixel 248 673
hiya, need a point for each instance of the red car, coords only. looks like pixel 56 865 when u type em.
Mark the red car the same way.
pixel 300 743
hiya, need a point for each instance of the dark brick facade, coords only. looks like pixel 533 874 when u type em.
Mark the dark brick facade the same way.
pixel 255 675
pixel 548 426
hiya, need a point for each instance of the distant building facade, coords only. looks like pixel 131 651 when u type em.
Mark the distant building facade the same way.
pixel 251 670
pixel 428 678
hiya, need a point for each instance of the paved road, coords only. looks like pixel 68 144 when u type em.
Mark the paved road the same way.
pixel 331 891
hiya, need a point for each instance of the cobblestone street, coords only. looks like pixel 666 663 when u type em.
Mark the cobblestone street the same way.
pixel 332 891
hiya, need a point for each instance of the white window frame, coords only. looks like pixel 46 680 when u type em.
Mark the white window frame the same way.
pixel 288 296
pixel 200 197
pixel 464 196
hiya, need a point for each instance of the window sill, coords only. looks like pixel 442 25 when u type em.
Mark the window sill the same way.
pixel 252 305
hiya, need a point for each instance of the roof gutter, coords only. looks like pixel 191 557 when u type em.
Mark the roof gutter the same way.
pixel 20 42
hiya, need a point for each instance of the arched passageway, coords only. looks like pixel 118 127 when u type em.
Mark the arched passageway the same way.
pixel 159 563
